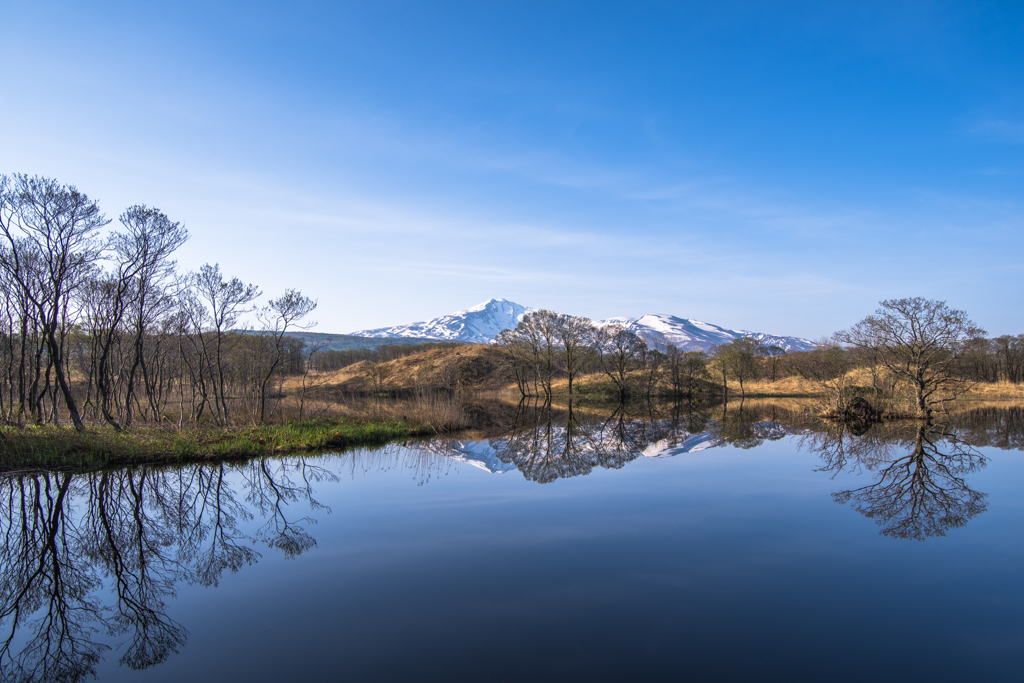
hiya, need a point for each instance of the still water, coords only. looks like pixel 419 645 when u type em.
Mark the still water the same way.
pixel 646 543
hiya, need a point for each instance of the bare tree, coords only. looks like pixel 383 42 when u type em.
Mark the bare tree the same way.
pixel 575 336
pixel 541 328
pixel 280 314
pixel 685 370
pixel 228 301
pixel 773 356
pixel 377 374
pixel 738 359
pixel 618 353
pixel 52 247
pixel 920 341
pixel 827 366
pixel 147 243
pixel 519 356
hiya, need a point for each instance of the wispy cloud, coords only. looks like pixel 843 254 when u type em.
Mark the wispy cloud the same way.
pixel 1000 129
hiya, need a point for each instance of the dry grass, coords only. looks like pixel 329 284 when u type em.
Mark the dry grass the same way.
pixel 473 366
pixel 996 390
pixel 479 367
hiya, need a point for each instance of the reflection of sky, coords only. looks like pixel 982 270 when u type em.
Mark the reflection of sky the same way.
pixel 658 569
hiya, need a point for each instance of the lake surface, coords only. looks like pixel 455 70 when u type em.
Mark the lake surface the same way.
pixel 652 544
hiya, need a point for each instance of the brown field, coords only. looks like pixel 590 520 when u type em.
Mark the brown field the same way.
pixel 479 367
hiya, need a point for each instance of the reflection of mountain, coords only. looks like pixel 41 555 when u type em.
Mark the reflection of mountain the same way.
pixel 667 448
pixel 919 492
pixel 720 433
pixel 479 454
pixel 546 444
pixel 550 451
pixel 90 560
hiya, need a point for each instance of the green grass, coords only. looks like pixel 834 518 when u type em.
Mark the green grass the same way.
pixel 50 447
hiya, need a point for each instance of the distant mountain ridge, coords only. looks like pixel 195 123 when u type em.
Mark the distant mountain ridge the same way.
pixel 694 335
pixel 481 323
pixel 341 342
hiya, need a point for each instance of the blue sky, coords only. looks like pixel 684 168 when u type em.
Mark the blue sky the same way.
pixel 779 167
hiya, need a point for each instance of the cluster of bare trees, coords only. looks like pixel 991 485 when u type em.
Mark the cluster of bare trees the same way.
pixel 99 324
pixel 546 346
pixel 913 348
pixel 993 360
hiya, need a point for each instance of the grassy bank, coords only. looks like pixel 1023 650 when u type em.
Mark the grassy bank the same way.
pixel 50 447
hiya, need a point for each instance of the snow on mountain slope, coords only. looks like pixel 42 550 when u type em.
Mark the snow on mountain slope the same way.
pixel 481 324
pixel 694 335
pixel 667 448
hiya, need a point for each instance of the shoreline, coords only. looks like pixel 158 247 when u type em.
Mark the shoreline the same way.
pixel 35 448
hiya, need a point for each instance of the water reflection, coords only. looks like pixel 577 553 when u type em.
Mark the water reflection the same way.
pixel 918 485
pixel 137 533
pixel 546 443
pixel 90 561
pixel 919 489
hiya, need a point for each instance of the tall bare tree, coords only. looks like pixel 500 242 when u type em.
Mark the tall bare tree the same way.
pixel 228 301
pixel 618 354
pixel 920 341
pixel 52 247
pixel 278 316
pixel 575 337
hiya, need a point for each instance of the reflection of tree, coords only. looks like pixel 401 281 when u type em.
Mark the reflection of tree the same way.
pixel 745 428
pixel 997 427
pixel 275 484
pixel 44 587
pixel 920 490
pixel 546 445
pixel 65 537
pixel 544 449
pixel 132 547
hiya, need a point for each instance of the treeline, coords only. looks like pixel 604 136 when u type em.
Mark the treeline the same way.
pixel 99 324
pixel 982 360
pixel 945 352
pixel 546 346
pixel 994 360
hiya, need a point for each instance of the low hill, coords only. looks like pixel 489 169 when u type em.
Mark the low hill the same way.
pixel 346 342
pixel 473 366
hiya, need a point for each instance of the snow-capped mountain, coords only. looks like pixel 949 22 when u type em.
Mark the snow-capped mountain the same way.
pixel 695 335
pixel 483 322
pixel 480 324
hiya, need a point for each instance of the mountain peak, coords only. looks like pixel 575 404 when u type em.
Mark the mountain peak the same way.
pixel 480 323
